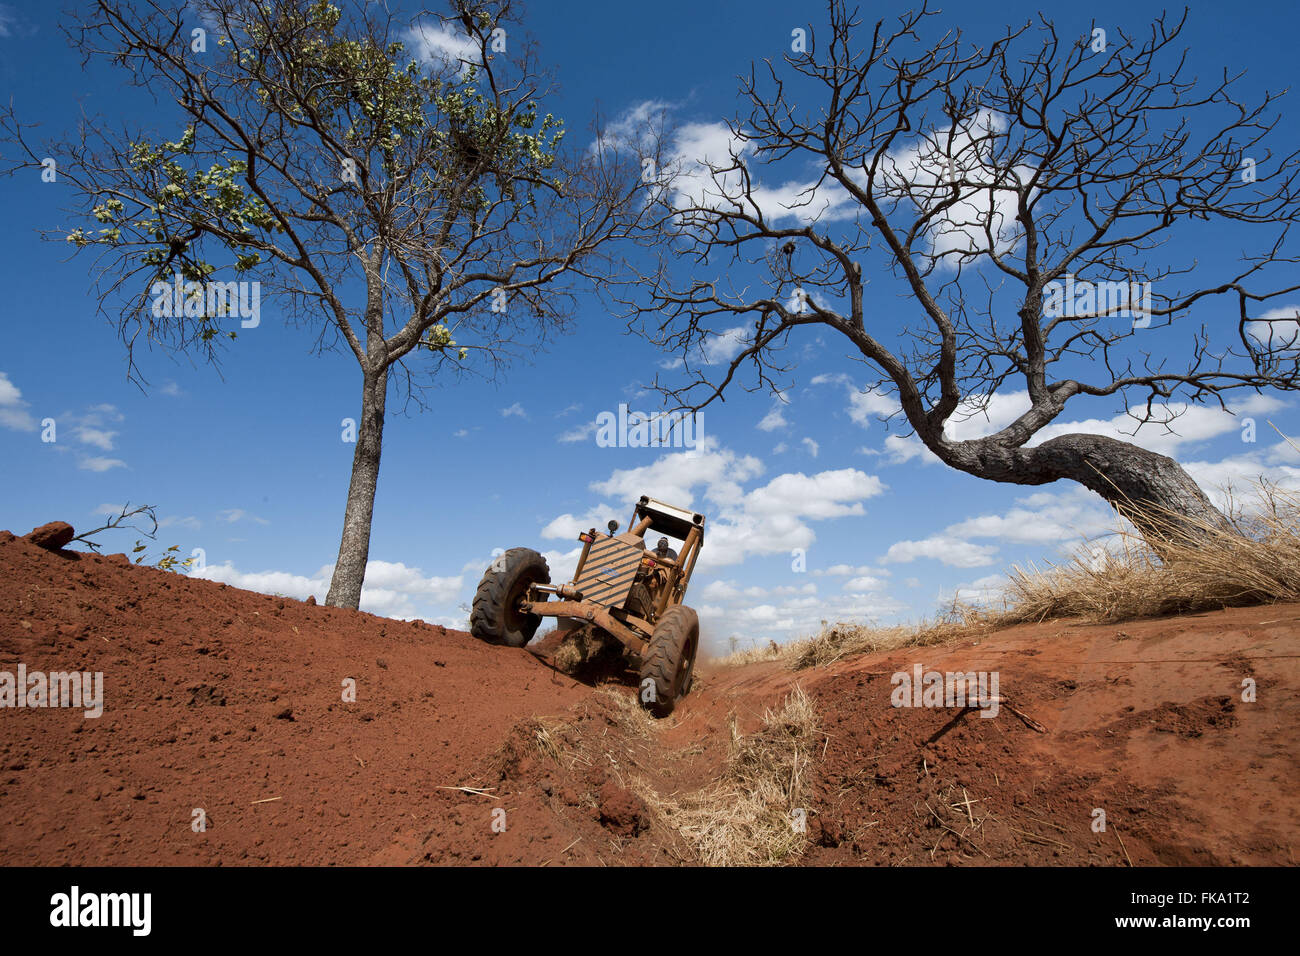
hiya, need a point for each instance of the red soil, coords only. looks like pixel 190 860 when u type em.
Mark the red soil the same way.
pixel 230 701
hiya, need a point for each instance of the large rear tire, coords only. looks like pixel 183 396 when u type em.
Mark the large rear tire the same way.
pixel 668 663
pixel 495 616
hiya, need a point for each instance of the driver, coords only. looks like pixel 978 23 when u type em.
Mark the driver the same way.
pixel 663 551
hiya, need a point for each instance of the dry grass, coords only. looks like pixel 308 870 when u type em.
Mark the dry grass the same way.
pixel 835 641
pixel 626 713
pixel 572 741
pixel 1255 559
pixel 845 640
pixel 748 817
pixel 753 655
pixel 744 818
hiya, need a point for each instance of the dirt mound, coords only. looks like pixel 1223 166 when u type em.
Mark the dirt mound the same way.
pixel 232 703
pixel 305 734
pixel 1145 724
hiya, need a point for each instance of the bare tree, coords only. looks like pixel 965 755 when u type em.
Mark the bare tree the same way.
pixel 997 186
pixel 396 187
pixel 125 518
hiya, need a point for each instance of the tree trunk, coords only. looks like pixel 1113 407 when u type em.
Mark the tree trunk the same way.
pixel 354 548
pixel 1151 490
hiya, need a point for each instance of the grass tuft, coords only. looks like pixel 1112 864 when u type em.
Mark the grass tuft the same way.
pixel 1253 559
pixel 749 817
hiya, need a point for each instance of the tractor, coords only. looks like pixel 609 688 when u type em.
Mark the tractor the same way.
pixel 625 590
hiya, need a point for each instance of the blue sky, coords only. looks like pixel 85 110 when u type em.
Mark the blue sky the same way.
pixel 247 462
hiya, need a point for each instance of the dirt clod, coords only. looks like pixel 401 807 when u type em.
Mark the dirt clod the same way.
pixel 621 812
pixel 52 536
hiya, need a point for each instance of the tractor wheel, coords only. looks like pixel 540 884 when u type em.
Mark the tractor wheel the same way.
pixel 496 617
pixel 669 660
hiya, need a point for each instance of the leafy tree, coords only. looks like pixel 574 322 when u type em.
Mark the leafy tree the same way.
pixel 419 212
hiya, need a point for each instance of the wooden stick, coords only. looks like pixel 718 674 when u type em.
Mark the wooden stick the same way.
pixel 480 791
pixel 1122 846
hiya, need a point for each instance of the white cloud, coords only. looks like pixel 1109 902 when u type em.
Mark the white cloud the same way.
pixel 1283 452
pixel 675 477
pixel 717 590
pixel 391 589
pixel 726 345
pixel 1045 518
pixel 984 591
pixel 98 464
pixel 870 404
pixel 874 404
pixel 232 515
pixel 562 563
pixel 863 584
pixel 1175 424
pixel 578 433
pixel 842 571
pixel 268 582
pixel 713 348
pixel 99 437
pixel 441 44
pixel 950 551
pixel 977 417
pixel 98 414
pixel 516 410
pixel 900 449
pixel 770 519
pixel 780 614
pixel 176 521
pixel 812 446
pixel 725 590
pixel 567 527
pixel 1277 330
pixel 8 21
pixel 1237 477
pixel 828 494
pixel 639 127
pixel 699 146
pixel 701 170
pixel 774 419
pixel 13 410
pixel 925 171
pixel 1055 518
